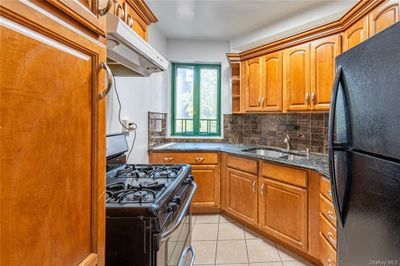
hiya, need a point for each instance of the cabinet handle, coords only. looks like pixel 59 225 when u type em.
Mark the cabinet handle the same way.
pixel 307 98
pixel 329 262
pixel 109 80
pixel 168 159
pixel 330 214
pixel 259 100
pixel 105 10
pixel 254 186
pixel 199 159
pixel 262 101
pixel 313 97
pixel 330 236
pixel 262 189
pixel 330 193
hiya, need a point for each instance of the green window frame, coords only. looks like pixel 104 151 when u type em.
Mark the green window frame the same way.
pixel 196 102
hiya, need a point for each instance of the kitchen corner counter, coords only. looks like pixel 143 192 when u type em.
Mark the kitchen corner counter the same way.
pixel 317 162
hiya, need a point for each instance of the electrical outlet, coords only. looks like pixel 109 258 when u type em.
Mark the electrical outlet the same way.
pixel 128 125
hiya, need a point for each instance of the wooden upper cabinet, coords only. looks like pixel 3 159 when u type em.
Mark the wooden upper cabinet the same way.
pixel 323 53
pixel 52 142
pixel 86 12
pixel 355 34
pixel 242 195
pixel 253 90
pixel 297 77
pixel 283 212
pixel 272 82
pixel 383 16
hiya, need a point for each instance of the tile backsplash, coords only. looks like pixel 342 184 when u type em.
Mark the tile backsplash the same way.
pixel 306 130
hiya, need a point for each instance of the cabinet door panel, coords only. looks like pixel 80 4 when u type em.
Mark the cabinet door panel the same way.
pixel 272 82
pixel 383 16
pixel 242 195
pixel 297 77
pixel 323 53
pixel 253 85
pixel 52 134
pixel 283 212
pixel 85 12
pixel 207 179
pixel 355 34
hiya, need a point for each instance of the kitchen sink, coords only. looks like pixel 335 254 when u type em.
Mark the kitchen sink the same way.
pixel 266 152
pixel 276 153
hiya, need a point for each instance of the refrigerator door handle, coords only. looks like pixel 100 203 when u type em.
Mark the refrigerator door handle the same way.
pixel 334 146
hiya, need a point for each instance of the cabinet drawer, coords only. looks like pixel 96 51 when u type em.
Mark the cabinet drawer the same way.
pixel 325 187
pixel 184 157
pixel 246 165
pixel 328 230
pixel 288 175
pixel 326 252
pixel 327 209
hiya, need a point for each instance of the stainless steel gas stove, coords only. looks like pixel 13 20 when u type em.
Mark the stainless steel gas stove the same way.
pixel 148 211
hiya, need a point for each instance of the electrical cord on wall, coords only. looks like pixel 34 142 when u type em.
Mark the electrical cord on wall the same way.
pixel 131 127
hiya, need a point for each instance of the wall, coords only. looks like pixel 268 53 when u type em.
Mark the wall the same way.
pixel 328 12
pixel 138 96
pixel 197 51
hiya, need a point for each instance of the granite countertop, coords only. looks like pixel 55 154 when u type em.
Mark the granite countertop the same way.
pixel 317 162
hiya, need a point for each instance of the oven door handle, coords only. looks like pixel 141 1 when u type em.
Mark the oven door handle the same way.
pixel 183 258
pixel 181 215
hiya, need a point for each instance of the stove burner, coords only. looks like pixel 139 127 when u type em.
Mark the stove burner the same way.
pixel 138 196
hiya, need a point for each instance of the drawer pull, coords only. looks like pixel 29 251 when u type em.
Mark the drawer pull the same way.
pixel 254 186
pixel 330 236
pixel 168 159
pixel 330 193
pixel 199 159
pixel 329 262
pixel 330 215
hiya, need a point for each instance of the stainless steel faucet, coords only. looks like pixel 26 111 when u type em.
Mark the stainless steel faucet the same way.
pixel 287 141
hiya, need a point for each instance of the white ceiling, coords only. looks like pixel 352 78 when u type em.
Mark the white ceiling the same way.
pixel 226 19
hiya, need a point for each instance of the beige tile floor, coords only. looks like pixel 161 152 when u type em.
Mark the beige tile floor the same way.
pixel 220 241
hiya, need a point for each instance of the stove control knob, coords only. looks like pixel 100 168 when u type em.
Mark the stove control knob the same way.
pixel 177 200
pixel 172 207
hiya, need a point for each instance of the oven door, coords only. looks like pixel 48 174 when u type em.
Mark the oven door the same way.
pixel 175 248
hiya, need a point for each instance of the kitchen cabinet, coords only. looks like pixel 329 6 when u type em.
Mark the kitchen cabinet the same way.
pixel 323 54
pixel 297 77
pixel 52 140
pixel 272 82
pixel 242 195
pixel 205 170
pixel 283 212
pixel 355 34
pixel 383 16
pixel 90 13
pixel 253 91
pixel 207 179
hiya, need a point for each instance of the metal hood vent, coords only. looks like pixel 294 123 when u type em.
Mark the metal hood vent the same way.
pixel 128 54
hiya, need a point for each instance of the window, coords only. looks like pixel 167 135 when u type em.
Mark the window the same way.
pixel 196 104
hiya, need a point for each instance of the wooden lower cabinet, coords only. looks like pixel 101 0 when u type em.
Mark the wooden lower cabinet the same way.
pixel 207 180
pixel 283 212
pixel 242 195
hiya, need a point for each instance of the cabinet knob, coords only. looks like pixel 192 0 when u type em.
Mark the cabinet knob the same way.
pixel 330 236
pixel 330 214
pixel 329 262
pixel 330 193
pixel 168 159
pixel 199 159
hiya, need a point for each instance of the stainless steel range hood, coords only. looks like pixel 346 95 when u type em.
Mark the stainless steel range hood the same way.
pixel 128 54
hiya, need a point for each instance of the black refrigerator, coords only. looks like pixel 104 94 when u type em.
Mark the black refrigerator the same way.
pixel 364 151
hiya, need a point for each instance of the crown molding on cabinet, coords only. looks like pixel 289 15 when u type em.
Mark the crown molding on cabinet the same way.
pixel 361 9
